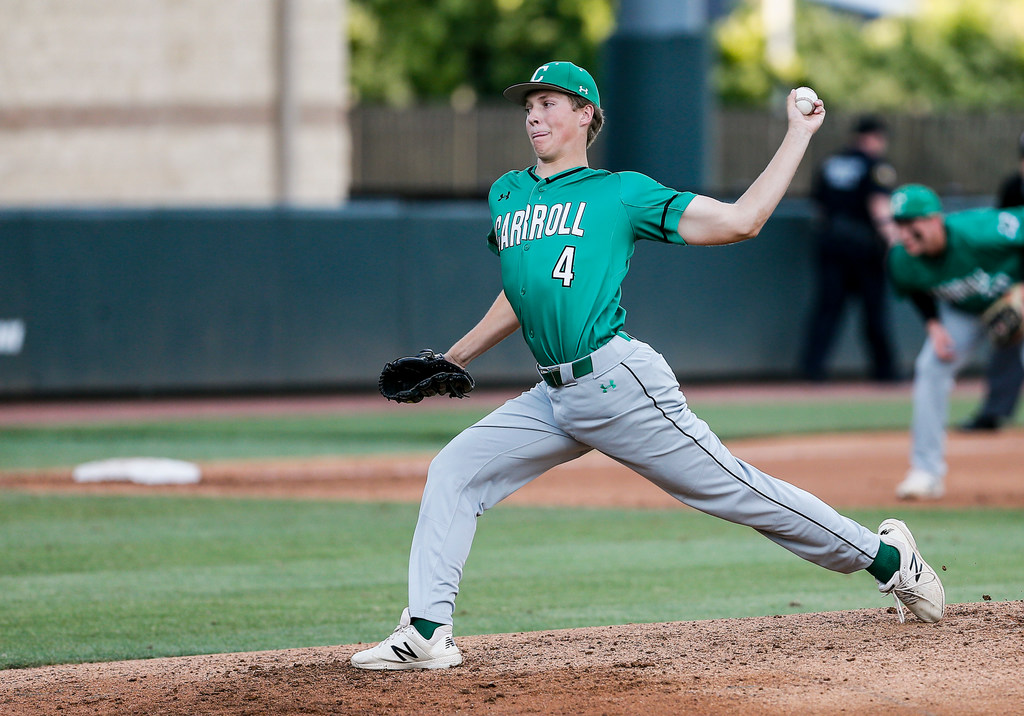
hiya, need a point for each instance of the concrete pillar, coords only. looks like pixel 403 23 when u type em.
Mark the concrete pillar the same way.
pixel 657 94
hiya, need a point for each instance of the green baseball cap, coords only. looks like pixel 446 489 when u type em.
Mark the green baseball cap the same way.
pixel 562 76
pixel 911 201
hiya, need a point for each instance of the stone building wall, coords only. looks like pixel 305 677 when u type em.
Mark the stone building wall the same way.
pixel 170 102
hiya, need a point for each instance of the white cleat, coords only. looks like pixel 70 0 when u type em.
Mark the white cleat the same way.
pixel 915 584
pixel 920 485
pixel 407 649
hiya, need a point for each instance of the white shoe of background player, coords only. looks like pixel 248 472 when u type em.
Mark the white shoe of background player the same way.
pixel 919 484
pixel 915 584
pixel 407 649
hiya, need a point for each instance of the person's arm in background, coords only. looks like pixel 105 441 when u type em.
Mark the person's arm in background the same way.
pixel 881 215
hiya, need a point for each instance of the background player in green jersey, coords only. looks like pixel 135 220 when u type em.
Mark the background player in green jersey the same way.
pixel 564 234
pixel 953 266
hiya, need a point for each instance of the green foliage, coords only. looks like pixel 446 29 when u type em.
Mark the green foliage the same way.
pixel 952 55
pixel 91 578
pixel 457 50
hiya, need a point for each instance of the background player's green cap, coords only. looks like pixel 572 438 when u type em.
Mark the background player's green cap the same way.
pixel 562 76
pixel 911 201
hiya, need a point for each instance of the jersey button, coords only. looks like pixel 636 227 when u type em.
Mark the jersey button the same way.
pixel 522 291
pixel 526 248
pixel 531 333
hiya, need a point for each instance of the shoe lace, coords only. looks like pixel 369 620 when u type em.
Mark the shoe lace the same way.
pixel 899 607
pixel 396 634
pixel 907 596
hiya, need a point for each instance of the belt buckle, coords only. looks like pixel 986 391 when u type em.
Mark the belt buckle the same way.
pixel 552 376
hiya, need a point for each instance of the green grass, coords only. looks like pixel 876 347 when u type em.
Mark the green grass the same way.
pixel 232 438
pixel 107 578
pixel 391 432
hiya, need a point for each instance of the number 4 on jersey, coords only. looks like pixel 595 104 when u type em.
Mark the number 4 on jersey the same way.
pixel 563 267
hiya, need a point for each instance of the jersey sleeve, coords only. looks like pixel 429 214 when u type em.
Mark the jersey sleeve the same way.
pixel 653 209
pixel 904 274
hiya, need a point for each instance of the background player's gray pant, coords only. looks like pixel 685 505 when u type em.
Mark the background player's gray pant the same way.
pixel 631 409
pixel 933 383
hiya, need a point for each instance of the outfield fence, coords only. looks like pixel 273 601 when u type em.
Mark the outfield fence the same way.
pixel 440 152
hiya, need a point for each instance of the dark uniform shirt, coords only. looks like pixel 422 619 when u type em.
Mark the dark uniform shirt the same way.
pixel 842 187
pixel 1011 193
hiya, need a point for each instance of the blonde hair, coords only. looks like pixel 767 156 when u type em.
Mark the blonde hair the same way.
pixel 596 123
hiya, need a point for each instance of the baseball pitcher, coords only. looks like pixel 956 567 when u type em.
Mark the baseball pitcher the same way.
pixel 564 234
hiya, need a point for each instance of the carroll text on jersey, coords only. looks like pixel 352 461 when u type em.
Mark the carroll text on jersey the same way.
pixel 538 221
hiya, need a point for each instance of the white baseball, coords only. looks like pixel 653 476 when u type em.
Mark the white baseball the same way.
pixel 805 98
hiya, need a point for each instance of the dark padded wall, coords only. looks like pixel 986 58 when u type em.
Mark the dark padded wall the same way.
pixel 158 301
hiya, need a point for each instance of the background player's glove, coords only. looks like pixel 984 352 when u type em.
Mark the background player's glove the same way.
pixel 1004 319
pixel 413 378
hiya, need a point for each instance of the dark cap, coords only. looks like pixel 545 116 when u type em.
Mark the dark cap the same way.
pixel 869 124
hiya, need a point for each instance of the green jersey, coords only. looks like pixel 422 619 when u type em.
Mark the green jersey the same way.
pixel 984 256
pixel 564 243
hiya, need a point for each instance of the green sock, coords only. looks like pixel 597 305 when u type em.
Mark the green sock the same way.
pixel 426 628
pixel 886 563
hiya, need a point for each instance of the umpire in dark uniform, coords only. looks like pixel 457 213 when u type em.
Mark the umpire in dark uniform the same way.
pixel 852 190
pixel 1004 374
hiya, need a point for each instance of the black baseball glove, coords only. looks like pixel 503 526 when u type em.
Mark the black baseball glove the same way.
pixel 1004 319
pixel 413 378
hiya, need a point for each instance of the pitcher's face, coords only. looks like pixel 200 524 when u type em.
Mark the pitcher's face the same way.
pixel 554 127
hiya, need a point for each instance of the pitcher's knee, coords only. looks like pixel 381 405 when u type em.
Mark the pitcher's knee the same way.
pixel 448 462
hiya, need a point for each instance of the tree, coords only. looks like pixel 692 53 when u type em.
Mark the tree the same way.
pixel 457 50
pixel 954 54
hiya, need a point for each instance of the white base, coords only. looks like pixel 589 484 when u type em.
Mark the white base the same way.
pixel 140 470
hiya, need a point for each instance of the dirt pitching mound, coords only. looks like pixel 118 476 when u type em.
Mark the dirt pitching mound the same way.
pixel 855 662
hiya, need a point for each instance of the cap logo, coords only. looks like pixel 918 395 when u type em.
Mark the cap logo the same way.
pixel 584 90
pixel 539 74
pixel 898 200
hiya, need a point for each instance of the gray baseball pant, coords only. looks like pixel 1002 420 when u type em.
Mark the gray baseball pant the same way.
pixel 630 408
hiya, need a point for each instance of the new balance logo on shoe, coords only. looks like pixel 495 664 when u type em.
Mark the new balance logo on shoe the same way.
pixel 916 568
pixel 407 653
